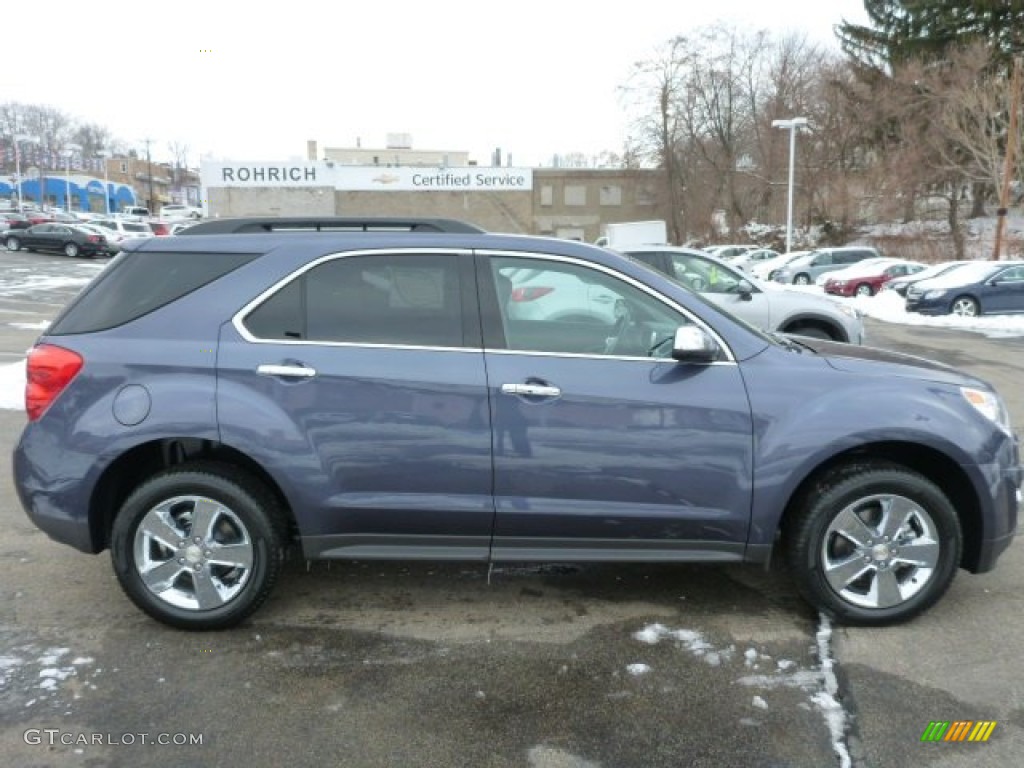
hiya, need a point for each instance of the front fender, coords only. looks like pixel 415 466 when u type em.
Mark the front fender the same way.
pixel 807 416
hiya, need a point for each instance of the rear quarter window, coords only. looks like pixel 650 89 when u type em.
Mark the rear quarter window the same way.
pixel 137 283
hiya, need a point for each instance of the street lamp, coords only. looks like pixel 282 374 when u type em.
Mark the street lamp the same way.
pixel 18 138
pixel 105 154
pixel 68 151
pixel 792 124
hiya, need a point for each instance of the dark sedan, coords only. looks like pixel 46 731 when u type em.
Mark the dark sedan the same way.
pixel 61 238
pixel 14 221
pixel 901 284
pixel 983 287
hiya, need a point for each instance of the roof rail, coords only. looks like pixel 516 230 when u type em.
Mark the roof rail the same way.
pixel 254 225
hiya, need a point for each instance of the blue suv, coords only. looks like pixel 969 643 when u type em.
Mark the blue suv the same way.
pixel 379 390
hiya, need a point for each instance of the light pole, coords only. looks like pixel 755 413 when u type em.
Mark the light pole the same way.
pixel 68 151
pixel 792 124
pixel 105 154
pixel 18 138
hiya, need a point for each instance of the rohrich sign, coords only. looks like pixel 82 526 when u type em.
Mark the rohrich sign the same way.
pixel 363 178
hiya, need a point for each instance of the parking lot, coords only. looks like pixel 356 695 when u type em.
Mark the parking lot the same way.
pixel 395 664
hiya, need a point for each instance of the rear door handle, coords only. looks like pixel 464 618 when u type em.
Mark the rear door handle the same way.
pixel 530 390
pixel 287 371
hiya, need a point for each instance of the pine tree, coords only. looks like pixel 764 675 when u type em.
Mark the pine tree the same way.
pixel 903 30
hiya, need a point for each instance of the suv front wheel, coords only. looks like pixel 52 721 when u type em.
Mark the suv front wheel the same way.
pixel 198 546
pixel 874 544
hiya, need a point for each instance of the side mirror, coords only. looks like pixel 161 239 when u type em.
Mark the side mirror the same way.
pixel 745 289
pixel 693 345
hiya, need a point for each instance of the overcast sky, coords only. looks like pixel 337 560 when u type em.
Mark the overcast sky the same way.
pixel 534 77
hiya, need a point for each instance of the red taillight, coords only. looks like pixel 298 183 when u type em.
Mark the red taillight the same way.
pixel 530 292
pixel 48 371
pixel 93 238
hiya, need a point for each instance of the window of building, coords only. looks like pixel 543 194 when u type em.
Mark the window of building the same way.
pixel 547 195
pixel 575 194
pixel 610 195
pixel 645 194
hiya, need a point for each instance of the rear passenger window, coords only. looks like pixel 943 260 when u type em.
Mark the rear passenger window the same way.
pixel 403 300
pixel 138 283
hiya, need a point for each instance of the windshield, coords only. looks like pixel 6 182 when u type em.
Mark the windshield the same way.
pixel 972 272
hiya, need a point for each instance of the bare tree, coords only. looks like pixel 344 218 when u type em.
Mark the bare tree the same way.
pixel 654 90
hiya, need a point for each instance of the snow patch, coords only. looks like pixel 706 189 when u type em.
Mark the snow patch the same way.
pixel 42 325
pixel 689 639
pixel 638 669
pixel 12 386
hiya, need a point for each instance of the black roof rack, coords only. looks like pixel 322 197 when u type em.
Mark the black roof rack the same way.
pixel 328 224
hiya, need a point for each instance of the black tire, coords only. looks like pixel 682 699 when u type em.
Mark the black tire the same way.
pixel 931 533
pixel 71 250
pixel 13 244
pixel 865 290
pixel 965 306
pixel 802 279
pixel 246 522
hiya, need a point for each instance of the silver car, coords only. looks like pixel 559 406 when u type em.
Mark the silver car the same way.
pixel 763 305
pixel 806 270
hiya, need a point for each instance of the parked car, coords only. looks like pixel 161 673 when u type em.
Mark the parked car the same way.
pixel 746 261
pixel 14 221
pixel 36 216
pixel 765 270
pixel 727 252
pixel 112 237
pixel 901 284
pixel 134 213
pixel 768 307
pixel 176 211
pixel 69 239
pixel 211 399
pixel 125 228
pixel 805 270
pixel 977 288
pixel 853 269
pixel 868 279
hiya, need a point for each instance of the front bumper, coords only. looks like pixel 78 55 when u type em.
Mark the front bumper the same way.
pixel 927 306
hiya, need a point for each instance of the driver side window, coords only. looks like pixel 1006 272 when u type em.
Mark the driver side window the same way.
pixel 567 308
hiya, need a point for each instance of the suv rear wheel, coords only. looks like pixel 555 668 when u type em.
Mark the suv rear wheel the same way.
pixel 198 546
pixel 874 544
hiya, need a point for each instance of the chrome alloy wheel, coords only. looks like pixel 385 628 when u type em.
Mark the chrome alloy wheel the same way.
pixel 880 551
pixel 193 552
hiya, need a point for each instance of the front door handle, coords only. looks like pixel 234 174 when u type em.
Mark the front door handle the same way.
pixel 287 371
pixel 530 390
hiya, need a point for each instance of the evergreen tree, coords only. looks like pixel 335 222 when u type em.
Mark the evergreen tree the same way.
pixel 902 30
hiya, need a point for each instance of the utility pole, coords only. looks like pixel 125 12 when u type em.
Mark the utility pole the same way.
pixel 1010 159
pixel 149 172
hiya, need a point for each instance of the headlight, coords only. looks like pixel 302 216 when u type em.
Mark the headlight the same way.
pixel 846 309
pixel 989 405
pixel 936 294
